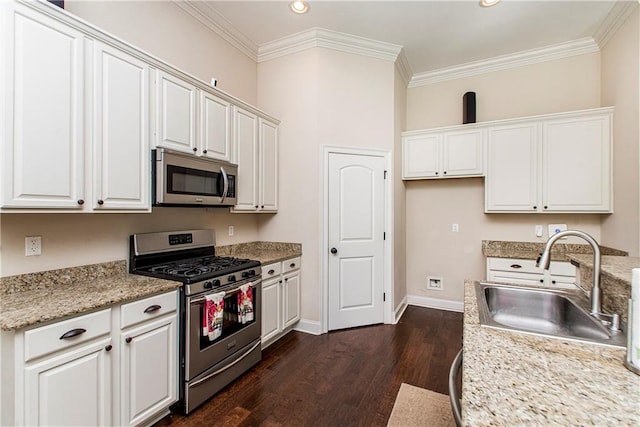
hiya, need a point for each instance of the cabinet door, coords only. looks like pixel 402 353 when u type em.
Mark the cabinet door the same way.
pixel 271 309
pixel 291 299
pixel 121 139
pixel 511 183
pixel 246 143
pixel 176 113
pixel 576 173
pixel 70 388
pixel 149 370
pixel 43 111
pixel 268 166
pixel 420 156
pixel 215 127
pixel 462 153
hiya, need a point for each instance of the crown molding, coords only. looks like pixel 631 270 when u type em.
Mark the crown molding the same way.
pixel 214 21
pixel 320 37
pixel 619 13
pixel 404 68
pixel 558 51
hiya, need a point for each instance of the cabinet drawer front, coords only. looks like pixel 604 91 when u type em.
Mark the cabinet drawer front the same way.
pixel 291 264
pixel 271 270
pixel 148 308
pixel 67 333
pixel 514 264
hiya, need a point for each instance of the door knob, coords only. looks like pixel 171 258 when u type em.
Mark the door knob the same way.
pixel 334 251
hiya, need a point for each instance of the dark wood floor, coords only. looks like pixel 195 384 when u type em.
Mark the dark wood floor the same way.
pixel 344 378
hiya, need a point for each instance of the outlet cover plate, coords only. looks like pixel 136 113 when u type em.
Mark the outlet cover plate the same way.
pixel 435 283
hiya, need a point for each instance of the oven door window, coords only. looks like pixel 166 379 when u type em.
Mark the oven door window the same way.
pixel 238 313
pixel 181 180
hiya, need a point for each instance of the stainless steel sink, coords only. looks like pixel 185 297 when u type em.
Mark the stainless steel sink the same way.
pixel 548 312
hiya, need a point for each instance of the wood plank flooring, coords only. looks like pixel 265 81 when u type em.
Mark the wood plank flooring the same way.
pixel 344 378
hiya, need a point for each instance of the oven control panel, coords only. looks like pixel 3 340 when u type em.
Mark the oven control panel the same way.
pixel 180 239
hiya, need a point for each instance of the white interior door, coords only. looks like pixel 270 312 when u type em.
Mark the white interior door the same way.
pixel 356 243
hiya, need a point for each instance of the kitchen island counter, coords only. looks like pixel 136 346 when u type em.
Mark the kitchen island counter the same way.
pixel 512 378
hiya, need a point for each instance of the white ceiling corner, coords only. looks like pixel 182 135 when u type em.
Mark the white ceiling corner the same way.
pixel 212 19
pixel 320 37
pixel 404 68
pixel 503 62
pixel 614 20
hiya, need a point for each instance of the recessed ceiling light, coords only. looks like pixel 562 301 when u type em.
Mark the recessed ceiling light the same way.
pixel 300 6
pixel 489 3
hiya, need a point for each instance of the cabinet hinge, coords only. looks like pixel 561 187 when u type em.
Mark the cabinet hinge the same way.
pixel 384 296
pixel 384 235
pixel 385 174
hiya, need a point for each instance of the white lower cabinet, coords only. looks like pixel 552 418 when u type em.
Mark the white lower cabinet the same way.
pixel 525 272
pixel 70 388
pixel 116 366
pixel 280 299
pixel 149 357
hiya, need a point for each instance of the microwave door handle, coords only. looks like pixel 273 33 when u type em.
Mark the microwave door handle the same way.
pixel 226 184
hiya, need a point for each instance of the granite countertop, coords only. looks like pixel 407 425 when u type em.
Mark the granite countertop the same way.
pixel 34 298
pixel 615 267
pixel 265 252
pixel 511 378
pixel 531 250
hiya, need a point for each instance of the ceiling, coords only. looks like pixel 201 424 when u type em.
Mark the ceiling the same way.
pixel 434 34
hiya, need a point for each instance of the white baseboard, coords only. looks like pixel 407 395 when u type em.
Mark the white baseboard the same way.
pixel 308 326
pixel 440 304
pixel 399 311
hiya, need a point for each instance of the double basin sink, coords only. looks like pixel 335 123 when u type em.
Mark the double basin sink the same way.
pixel 548 312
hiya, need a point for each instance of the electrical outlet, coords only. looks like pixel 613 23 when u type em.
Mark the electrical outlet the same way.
pixel 455 228
pixel 435 283
pixel 232 230
pixel 556 228
pixel 33 245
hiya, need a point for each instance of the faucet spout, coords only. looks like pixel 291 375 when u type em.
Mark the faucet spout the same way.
pixel 596 293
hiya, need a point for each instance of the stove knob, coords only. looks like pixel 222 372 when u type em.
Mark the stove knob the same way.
pixel 231 278
pixel 245 274
pixel 208 285
pixel 252 272
pixel 216 282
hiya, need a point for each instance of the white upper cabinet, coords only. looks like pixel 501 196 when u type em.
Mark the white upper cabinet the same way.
pixel 268 149
pixel 175 113
pixel 215 128
pixel 576 164
pixel 43 89
pixel 121 130
pixel 559 163
pixel 205 130
pixel 246 148
pixel 442 154
pixel 512 168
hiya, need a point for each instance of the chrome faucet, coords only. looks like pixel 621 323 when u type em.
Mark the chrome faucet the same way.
pixel 544 260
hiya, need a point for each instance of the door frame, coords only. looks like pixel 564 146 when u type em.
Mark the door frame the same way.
pixel 387 266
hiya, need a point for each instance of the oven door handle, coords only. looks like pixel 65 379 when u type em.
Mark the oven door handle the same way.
pixel 229 366
pixel 254 284
pixel 225 189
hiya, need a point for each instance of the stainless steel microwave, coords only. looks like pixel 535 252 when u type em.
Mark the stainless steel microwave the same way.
pixel 181 179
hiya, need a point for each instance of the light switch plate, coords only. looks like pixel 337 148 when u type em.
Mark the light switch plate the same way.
pixel 538 231
pixel 556 228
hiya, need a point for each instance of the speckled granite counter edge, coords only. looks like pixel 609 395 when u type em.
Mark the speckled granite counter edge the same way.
pixel 531 250
pixel 510 378
pixel 265 252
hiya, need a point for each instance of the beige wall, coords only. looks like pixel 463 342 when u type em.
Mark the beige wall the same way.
pixel 70 240
pixel 620 87
pixel 399 198
pixel 163 30
pixel 324 98
pixel 433 206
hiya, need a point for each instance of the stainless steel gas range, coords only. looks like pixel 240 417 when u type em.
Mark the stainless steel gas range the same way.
pixel 220 308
